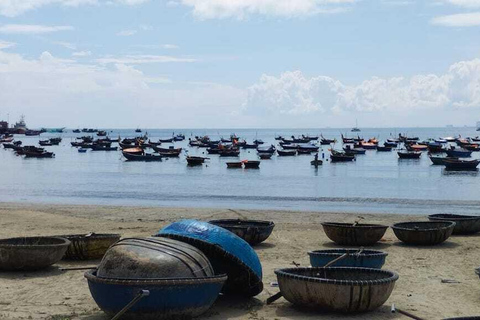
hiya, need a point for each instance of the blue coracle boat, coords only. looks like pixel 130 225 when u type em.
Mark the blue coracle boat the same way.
pixel 366 259
pixel 227 253
pixel 168 298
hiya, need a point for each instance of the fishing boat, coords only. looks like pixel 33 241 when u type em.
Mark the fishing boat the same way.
pixel 31 133
pixel 134 150
pixel 44 154
pixel 102 133
pixel 271 149
pixel 324 141
pixel 458 152
pixel 249 146
pixel 349 150
pixel 409 154
pixel 103 147
pixel 138 130
pixel 265 156
pixel 435 147
pixel 258 141
pixel 316 162
pixel 236 164
pixel 179 137
pixel 147 157
pixel 166 140
pixel 366 145
pixel 170 153
pixel 310 138
pixel 304 151
pixel 195 161
pixel 384 149
pixel 423 232
pixel 452 164
pixel 82 150
pixel 76 131
pixel 356 128
pixel 337 156
pixel 308 146
pixel 439 161
pixel 471 147
pixel 287 153
pixel 251 164
pixel 229 153
pixel 45 143
pixel 415 147
pixel 347 140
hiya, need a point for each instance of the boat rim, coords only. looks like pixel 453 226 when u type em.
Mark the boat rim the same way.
pixel 7 245
pixel 444 225
pixel 358 226
pixel 339 252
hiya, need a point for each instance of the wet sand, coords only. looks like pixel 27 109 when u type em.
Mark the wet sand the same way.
pixel 54 294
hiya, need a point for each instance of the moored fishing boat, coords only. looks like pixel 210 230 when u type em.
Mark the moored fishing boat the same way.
pixel 337 156
pixel 147 157
pixel 458 164
pixel 287 153
pixel 195 161
pixel 458 152
pixel 440 160
pixel 409 154
pixel 384 149
pixel 251 164
pixel 236 164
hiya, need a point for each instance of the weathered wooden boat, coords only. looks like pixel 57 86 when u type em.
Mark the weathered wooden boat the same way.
pixel 345 290
pixel 424 232
pixel 458 153
pixel 177 278
pixel 236 164
pixel 384 149
pixel 409 154
pixel 44 154
pixel 287 153
pixel 337 156
pixel 265 156
pixel 251 164
pixel 227 252
pixel 458 164
pixel 354 258
pixel 349 150
pixel 88 246
pixel 31 253
pixel 252 231
pixel 195 161
pixel 348 234
pixel 463 224
pixel 439 161
pixel 146 157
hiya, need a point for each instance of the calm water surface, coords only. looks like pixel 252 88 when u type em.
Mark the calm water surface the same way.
pixel 377 182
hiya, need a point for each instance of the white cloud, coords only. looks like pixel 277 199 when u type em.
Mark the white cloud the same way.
pixel 465 3
pixel 170 46
pixel 67 45
pixel 294 94
pixel 6 44
pixel 142 59
pixel 31 29
pixel 211 9
pixel 126 33
pixel 82 54
pixel 12 8
pixel 458 20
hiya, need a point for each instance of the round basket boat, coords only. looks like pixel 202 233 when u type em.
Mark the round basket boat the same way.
pixel 89 246
pixel 227 253
pixel 366 259
pixel 423 233
pixel 174 298
pixel 463 224
pixel 347 234
pixel 346 290
pixel 252 231
pixel 33 253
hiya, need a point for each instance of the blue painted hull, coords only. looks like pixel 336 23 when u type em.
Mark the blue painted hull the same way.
pixel 227 253
pixel 367 259
pixel 169 298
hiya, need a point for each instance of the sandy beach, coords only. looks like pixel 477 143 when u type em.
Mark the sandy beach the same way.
pixel 55 294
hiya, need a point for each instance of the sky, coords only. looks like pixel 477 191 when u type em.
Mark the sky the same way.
pixel 240 63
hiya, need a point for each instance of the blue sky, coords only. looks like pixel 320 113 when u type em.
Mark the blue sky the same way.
pixel 240 63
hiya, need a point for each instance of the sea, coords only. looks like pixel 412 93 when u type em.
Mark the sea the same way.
pixel 377 182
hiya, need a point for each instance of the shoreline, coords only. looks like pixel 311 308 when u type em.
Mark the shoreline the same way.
pixel 51 293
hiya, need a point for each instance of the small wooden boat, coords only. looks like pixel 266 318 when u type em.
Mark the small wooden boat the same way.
pixel 249 146
pixel 424 233
pixel 439 161
pixel 226 252
pixel 435 147
pixel 44 154
pixel 354 234
pixel 236 164
pixel 31 253
pixel 251 164
pixel 147 157
pixel 391 144
pixel 349 150
pixel 252 231
pixel 134 150
pixel 304 151
pixel 287 153
pixel 166 140
pixel 265 156
pixel 409 154
pixel 416 147
pixel 170 153
pixel 102 133
pixel 45 143
pixel 229 153
pixel 195 161
pixel 89 246
pixel 463 224
pixel 366 145
pixel 333 289
pixel 336 156
pixel 457 164
pixel 364 259
pixel 384 149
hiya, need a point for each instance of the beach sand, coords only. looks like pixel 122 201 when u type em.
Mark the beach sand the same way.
pixel 55 294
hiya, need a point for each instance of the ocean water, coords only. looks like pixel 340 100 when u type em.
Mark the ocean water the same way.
pixel 377 182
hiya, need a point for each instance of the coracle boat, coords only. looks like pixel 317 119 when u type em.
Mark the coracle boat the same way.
pixel 252 231
pixel 354 234
pixel 32 253
pixel 89 246
pixel 345 290
pixel 251 164
pixel 354 258
pixel 423 233
pixel 409 154
pixel 463 224
pixel 163 278
pixel 457 164
pixel 232 165
pixel 227 252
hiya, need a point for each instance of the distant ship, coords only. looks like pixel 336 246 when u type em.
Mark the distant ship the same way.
pixel 356 129
pixel 20 127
